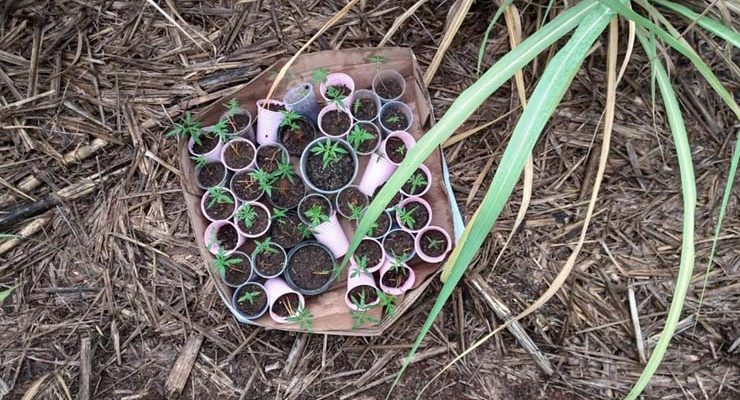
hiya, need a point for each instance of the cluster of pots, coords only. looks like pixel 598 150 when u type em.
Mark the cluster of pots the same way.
pixel 274 197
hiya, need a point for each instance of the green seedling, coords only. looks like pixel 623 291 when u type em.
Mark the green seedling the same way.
pixel 356 212
pixel 406 216
pixel 222 262
pixel 393 119
pixel 218 195
pixel 221 130
pixel 329 151
pixel 360 316
pixel 249 296
pixel 434 244
pixel 247 215
pixel 356 105
pixel 303 318
pixel 361 267
pixel 417 181
pixel 279 215
pixel 388 302
pixel 200 161
pixel 319 75
pixel 398 265
pixel 373 227
pixel 305 231
pixel 264 180
pixel 265 246
pixel 358 136
pixel 187 127
pixel 316 215
pixel 400 150
pixel 284 170
pixel 290 119
pixel 377 60
pixel 232 106
pixel 335 96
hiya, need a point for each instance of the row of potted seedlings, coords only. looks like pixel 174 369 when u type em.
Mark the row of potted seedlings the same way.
pixel 253 192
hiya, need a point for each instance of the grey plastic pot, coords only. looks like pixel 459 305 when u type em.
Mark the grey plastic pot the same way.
pixel 384 76
pixel 237 294
pixel 301 98
pixel 289 278
pixel 304 159
pixel 365 94
pixel 401 107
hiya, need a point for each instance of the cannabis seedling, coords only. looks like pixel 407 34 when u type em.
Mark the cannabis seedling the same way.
pixel 356 106
pixel 416 181
pixel 249 296
pixel 222 262
pixel 279 215
pixel 290 119
pixel 361 267
pixel 303 318
pixel 406 216
pixel 284 170
pixel 319 75
pixel 218 195
pixel 221 130
pixel 358 136
pixel 388 302
pixel 265 246
pixel 247 215
pixel 356 212
pixel 200 161
pixel 434 244
pixel 187 127
pixel 232 106
pixel 264 180
pixel 378 60
pixel 393 119
pixel 305 231
pixel 335 96
pixel 316 215
pixel 360 316
pixel 329 152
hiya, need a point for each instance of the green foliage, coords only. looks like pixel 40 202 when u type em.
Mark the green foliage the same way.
pixel 284 170
pixel 290 119
pixel 388 302
pixel 360 316
pixel 316 215
pixel 232 106
pixel 200 161
pixel 330 151
pixel 434 244
pixel 319 75
pixel 303 318
pixel 279 215
pixel 305 231
pixel 406 216
pixel 248 296
pixel 6 293
pixel 378 60
pixel 393 119
pixel 358 136
pixel 360 268
pixel 264 180
pixel 187 127
pixel 356 212
pixel 356 106
pixel 222 262
pixel 218 195
pixel 221 130
pixel 265 246
pixel 335 96
pixel 247 215
pixel 418 180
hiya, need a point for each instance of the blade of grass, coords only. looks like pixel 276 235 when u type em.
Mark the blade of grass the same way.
pixel 552 86
pixel 688 189
pixel 450 32
pixel 679 46
pixel 611 95
pixel 705 22
pixel 6 293
pixel 399 20
pixel 487 33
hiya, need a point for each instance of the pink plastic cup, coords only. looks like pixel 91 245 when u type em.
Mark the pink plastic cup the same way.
pixel 377 172
pixel 258 234
pixel 204 205
pixel 268 122
pixel 373 268
pixel 356 278
pixel 403 288
pixel 405 137
pixel 331 235
pixel 335 80
pixel 419 248
pixel 212 231
pixel 428 178
pixel 275 288
pixel 333 107
pixel 414 199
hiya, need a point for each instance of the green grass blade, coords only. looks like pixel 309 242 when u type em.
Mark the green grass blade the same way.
pixel 482 49
pixel 550 89
pixel 681 47
pixel 715 27
pixel 5 293
pixel 688 189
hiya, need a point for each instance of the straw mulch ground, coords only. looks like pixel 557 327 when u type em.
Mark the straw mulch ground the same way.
pixel 111 290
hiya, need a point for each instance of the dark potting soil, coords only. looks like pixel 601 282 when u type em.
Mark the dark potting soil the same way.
pixel 419 213
pixel 245 187
pixel 334 176
pixel 207 143
pixel 211 174
pixel 395 279
pixel 335 122
pixel 364 109
pixel 370 250
pixel 275 107
pixel 286 305
pixel 369 144
pixel 310 267
pixel 220 210
pixel 351 196
pixel 370 294
pixel 388 88
pixel 286 231
pixel 296 140
pixel 407 186
pixel 258 302
pixel 395 199
pixel 309 203
pixel 392 149
pixel 227 237
pixel 342 88
pixel 397 125
pixel 287 194
pixel 259 224
pixel 238 154
pixel 240 121
pixel 398 243
pixel 238 273
pixel 433 236
pixel 268 157
pixel 382 224
pixel 269 263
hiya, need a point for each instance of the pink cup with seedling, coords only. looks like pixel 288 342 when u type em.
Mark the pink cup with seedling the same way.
pixel 418 183
pixel 277 288
pixel 410 214
pixel 338 79
pixel 378 170
pixel 358 279
pixel 268 121
pixel 210 237
pixel 391 273
pixel 391 148
pixel 211 155
pixel 368 241
pixel 322 218
pixel 432 244
pixel 215 205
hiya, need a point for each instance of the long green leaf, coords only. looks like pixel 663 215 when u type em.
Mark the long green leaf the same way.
pixel 551 88
pixel 482 48
pixel 681 47
pixel 5 293
pixel 688 189
pixel 705 22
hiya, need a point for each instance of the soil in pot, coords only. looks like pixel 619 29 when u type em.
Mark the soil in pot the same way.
pixel 364 109
pixel 344 90
pixel 335 122
pixel 219 210
pixel 395 278
pixel 296 139
pixel 287 194
pixel 253 304
pixel 310 267
pixel 227 237
pixel 268 158
pixel 388 88
pixel 336 174
pixel 398 243
pixel 246 187
pixel 369 144
pixel 371 251
pixel 370 294
pixel 238 273
pixel 418 177
pixel 286 231
pixel 395 149
pixel 433 243
pixel 239 121
pixel 211 174
pixel 349 198
pixel 259 224
pixel 238 154
pixel 394 119
pixel 314 200
pixel 275 107
pixel 208 142
pixel 286 305
pixel 418 212
pixel 269 263
pixel 382 224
